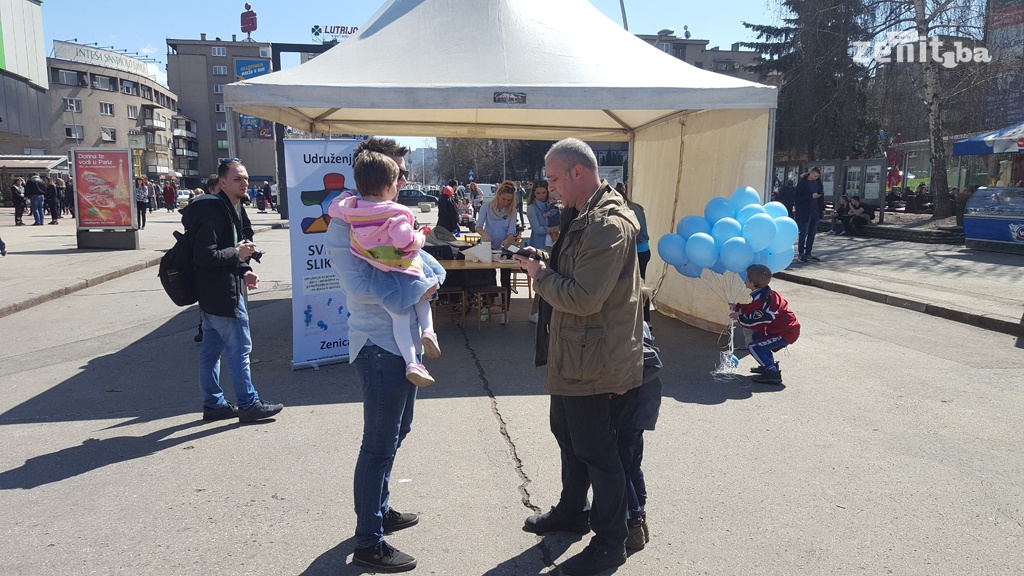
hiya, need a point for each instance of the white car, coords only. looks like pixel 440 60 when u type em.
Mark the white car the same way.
pixel 183 197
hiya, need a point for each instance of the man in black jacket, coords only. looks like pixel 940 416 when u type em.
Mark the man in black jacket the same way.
pixel 35 191
pixel 221 248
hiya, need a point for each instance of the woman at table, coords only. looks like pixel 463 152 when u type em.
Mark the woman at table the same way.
pixel 497 224
pixel 538 206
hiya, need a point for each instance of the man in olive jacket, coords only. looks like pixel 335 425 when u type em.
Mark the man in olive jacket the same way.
pixel 221 248
pixel 590 335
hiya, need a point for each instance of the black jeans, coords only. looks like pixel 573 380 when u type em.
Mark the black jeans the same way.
pixel 642 259
pixel 584 429
pixel 19 211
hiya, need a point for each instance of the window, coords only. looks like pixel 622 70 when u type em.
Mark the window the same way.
pixel 108 134
pixel 219 51
pixel 222 126
pixel 220 70
pixel 102 82
pixel 128 87
pixel 67 77
pixel 72 104
pixel 107 108
pixel 218 88
pixel 133 111
pixel 222 144
pixel 264 52
pixel 218 107
pixel 147 92
pixel 76 131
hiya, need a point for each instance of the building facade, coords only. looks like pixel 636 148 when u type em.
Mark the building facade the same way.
pixel 197 71
pixel 734 62
pixel 103 99
pixel 23 79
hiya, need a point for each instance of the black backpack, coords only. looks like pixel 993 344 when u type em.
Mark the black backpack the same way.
pixel 176 272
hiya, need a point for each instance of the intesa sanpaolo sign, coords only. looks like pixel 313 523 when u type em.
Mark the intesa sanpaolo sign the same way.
pixel 99 57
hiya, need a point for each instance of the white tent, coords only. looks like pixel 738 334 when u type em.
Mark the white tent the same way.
pixel 537 69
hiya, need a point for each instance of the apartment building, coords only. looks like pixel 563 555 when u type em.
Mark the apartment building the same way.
pixel 197 71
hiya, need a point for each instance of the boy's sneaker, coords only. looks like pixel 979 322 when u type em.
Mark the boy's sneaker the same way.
pixel 418 375
pixel 593 560
pixel 224 412
pixel 383 558
pixel 635 539
pixel 761 369
pixel 430 347
pixel 258 411
pixel 395 520
pixel 770 377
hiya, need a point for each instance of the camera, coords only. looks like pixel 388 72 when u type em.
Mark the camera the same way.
pixel 257 255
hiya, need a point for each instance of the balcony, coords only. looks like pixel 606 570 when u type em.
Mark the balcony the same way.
pixel 154 124
pixel 186 152
pixel 155 147
pixel 184 133
pixel 152 169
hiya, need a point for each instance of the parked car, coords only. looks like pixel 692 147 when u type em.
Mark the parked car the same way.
pixel 412 197
pixel 488 191
pixel 183 197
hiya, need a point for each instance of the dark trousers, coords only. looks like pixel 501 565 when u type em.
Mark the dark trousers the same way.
pixel 583 426
pixel 19 211
pixel 140 210
pixel 808 225
pixel 53 205
pixel 631 454
pixel 855 224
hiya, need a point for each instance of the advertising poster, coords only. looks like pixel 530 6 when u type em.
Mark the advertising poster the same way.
pixel 103 197
pixel 318 171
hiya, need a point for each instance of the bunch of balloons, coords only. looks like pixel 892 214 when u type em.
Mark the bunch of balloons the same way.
pixel 732 234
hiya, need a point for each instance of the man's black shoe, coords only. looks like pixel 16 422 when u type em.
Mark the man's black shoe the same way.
pixel 395 520
pixel 383 558
pixel 224 412
pixel 258 411
pixel 594 560
pixel 814 258
pixel 552 521
pixel 772 377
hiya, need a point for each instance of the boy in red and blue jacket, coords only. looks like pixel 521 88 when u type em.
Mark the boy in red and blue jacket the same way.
pixel 774 324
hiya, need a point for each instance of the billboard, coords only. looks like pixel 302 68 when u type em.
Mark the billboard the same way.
pixel 251 126
pixel 1004 37
pixel 103 197
pixel 318 171
pixel 99 57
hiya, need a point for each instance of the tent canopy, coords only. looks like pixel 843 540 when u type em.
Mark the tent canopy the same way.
pixel 541 70
pixel 527 69
pixel 1003 141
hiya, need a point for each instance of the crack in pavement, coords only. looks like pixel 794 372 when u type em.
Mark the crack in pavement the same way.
pixel 524 492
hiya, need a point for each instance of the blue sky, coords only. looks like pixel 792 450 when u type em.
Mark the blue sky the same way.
pixel 143 27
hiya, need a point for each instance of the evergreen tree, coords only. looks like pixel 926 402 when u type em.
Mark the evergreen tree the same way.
pixel 824 100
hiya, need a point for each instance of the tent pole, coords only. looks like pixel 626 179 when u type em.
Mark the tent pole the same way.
pixel 766 195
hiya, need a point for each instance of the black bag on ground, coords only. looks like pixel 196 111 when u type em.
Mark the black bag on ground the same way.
pixel 176 271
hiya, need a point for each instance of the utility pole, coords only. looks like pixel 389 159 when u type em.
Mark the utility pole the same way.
pixel 622 4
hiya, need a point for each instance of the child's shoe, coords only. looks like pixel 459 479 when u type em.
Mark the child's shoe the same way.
pixel 430 347
pixel 418 375
pixel 769 377
pixel 762 370
pixel 635 538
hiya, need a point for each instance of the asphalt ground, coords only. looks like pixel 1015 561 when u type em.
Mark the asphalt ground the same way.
pixel 895 446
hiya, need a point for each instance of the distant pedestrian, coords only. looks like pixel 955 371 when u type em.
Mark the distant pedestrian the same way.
pixel 61 205
pixel 810 208
pixel 154 193
pixel 17 192
pixel 774 324
pixel 35 191
pixel 52 203
pixel 170 196
pixel 141 201
pixel 520 203
pixel 69 196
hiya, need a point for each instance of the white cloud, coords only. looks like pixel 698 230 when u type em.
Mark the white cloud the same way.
pixel 147 50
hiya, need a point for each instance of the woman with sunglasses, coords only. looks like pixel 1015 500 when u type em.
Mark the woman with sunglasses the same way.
pixel 497 224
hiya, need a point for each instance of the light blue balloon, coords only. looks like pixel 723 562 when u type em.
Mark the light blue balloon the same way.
pixel 776 209
pixel 724 229
pixel 701 250
pixel 736 254
pixel 672 249
pixel 747 211
pixel 744 196
pixel 691 225
pixel 786 233
pixel 759 231
pixel 743 276
pixel 718 208
pixel 761 257
pixel 690 270
pixel 718 268
pixel 780 260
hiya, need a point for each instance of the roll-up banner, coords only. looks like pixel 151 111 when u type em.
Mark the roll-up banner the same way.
pixel 318 171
